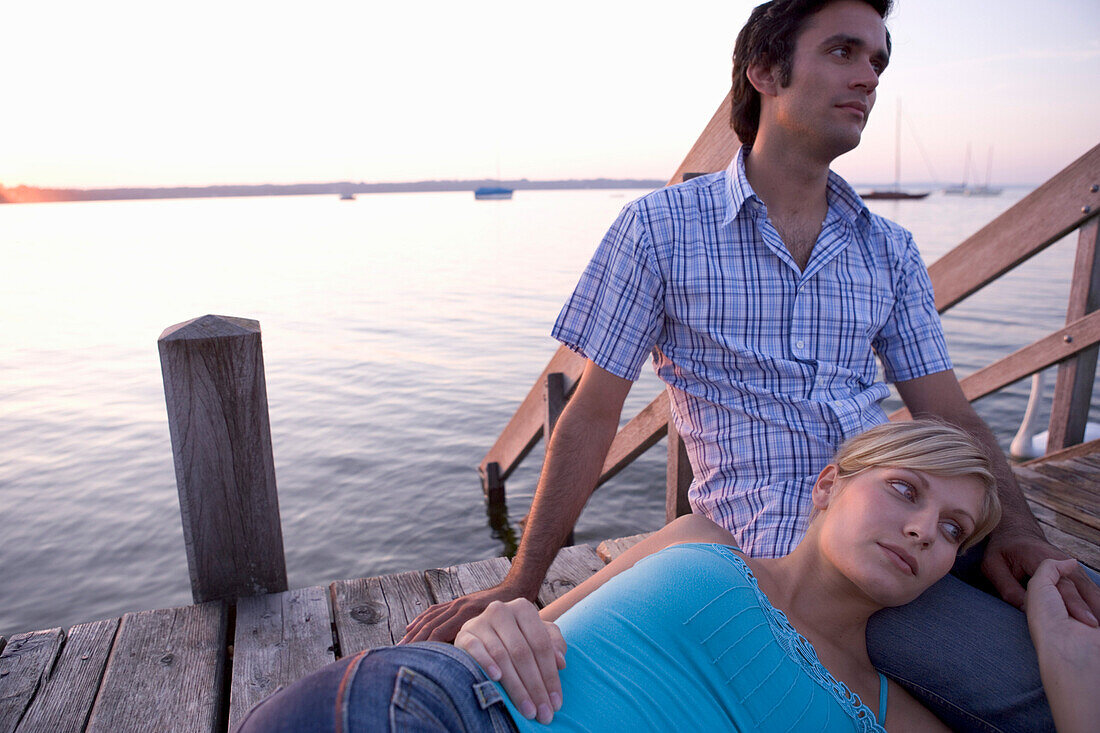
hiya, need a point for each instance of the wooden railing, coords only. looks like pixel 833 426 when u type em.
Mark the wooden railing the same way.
pixel 1069 201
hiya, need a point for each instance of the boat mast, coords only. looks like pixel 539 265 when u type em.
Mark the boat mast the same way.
pixel 897 149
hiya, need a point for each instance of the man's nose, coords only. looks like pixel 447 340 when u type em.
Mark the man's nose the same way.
pixel 865 76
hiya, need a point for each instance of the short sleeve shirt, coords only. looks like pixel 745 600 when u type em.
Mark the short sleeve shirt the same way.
pixel 769 367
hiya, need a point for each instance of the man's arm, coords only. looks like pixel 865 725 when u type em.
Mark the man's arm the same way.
pixel 1017 545
pixel 574 459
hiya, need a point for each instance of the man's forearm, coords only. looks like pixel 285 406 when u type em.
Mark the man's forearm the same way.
pixel 574 459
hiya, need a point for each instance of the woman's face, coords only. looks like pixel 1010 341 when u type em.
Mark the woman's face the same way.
pixel 894 531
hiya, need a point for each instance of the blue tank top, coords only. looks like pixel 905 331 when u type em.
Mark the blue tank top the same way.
pixel 685 640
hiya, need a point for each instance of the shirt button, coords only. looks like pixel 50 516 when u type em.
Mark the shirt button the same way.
pixel 800 344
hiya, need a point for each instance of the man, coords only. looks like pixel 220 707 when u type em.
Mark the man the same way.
pixel 765 293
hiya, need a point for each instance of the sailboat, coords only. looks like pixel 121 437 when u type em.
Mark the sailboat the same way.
pixel 895 193
pixel 983 190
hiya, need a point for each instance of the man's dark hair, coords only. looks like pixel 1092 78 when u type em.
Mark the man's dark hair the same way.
pixel 769 38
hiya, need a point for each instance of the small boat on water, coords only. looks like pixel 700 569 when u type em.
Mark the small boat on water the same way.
pixel 967 190
pixel 492 192
pixel 347 196
pixel 895 193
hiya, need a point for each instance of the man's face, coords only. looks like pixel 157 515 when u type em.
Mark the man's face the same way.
pixel 838 56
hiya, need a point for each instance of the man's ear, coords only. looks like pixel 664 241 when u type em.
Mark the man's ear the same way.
pixel 764 79
pixel 826 487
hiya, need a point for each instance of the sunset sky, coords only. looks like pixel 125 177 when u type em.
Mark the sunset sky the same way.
pixel 120 93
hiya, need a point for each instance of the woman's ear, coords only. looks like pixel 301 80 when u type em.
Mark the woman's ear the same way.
pixel 764 79
pixel 825 487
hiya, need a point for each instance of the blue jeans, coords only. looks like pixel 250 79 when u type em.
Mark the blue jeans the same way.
pixel 965 654
pixel 416 688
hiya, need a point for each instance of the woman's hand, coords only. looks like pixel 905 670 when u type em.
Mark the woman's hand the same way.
pixel 1068 648
pixel 521 651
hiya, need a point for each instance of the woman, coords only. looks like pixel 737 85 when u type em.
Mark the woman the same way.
pixel 683 632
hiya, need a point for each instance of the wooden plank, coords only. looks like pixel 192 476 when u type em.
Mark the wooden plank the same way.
pixel 1039 219
pixel 66 699
pixel 1064 343
pixel 1067 525
pixel 525 428
pixel 214 387
pixel 1074 487
pixel 1072 545
pixel 447 584
pixel 1085 449
pixel 715 147
pixel 165 672
pixel 636 437
pixel 373 612
pixel 608 550
pixel 279 638
pixel 1052 493
pixel 1089 470
pixel 1073 389
pixel 553 401
pixel 570 568
pixel 678 475
pixel 24 666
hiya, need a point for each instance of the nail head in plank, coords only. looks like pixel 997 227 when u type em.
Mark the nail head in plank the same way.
pixel 279 638
pixel 608 550
pixel 447 584
pixel 24 666
pixel 63 704
pixel 570 568
pixel 165 672
pixel 373 612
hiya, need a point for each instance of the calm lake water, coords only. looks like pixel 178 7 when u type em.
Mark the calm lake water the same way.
pixel 400 331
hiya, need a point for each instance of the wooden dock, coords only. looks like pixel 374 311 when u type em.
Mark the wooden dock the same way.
pixel 200 668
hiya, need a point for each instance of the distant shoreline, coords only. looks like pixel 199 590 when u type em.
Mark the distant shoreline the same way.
pixel 29 195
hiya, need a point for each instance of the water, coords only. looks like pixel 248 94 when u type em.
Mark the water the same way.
pixel 400 331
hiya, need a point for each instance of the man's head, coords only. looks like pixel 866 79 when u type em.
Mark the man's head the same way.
pixel 769 39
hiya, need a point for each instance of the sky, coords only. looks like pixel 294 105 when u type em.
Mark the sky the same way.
pixel 150 93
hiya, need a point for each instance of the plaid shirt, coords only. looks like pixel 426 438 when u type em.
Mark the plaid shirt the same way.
pixel 768 368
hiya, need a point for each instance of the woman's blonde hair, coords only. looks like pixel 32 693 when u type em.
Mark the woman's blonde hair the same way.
pixel 931 447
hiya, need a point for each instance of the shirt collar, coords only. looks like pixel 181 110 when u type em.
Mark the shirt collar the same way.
pixel 842 198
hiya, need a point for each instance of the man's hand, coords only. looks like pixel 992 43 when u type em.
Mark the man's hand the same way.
pixel 442 621
pixel 1015 555
pixel 521 651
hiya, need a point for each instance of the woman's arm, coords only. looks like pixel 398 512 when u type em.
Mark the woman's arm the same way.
pixel 1068 649
pixel 688 528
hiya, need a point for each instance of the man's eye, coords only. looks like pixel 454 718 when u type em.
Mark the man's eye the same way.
pixel 840 52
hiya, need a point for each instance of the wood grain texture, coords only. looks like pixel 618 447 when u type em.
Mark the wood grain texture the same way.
pixel 525 428
pixel 164 672
pixel 373 612
pixel 65 700
pixel 25 664
pixel 216 396
pixel 447 584
pixel 279 638
pixel 1039 219
pixel 1085 449
pixel 608 550
pixel 1069 409
pixel 1053 494
pixel 678 475
pixel 570 568
pixel 715 147
pixel 636 437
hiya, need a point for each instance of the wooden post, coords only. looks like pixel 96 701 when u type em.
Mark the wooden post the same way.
pixel 678 474
pixel 221 442
pixel 493 485
pixel 1073 389
pixel 553 400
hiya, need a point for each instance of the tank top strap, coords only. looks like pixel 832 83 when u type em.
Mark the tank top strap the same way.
pixel 883 688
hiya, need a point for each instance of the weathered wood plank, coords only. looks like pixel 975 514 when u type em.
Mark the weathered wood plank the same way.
pixel 678 475
pixel 1092 448
pixel 373 612
pixel 164 672
pixel 637 436
pixel 715 147
pixel 1084 537
pixel 1039 219
pixel 1051 492
pixel 221 442
pixel 279 638
pixel 525 428
pixel 447 584
pixel 1077 487
pixel 608 550
pixel 66 698
pixel 1073 389
pixel 24 666
pixel 570 568
pixel 1072 545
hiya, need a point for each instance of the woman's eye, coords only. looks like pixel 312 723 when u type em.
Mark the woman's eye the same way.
pixel 903 488
pixel 953 531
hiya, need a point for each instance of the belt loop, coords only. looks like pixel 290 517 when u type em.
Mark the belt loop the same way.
pixel 487 694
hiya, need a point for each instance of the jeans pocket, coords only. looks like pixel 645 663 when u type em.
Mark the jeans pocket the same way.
pixel 419 705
